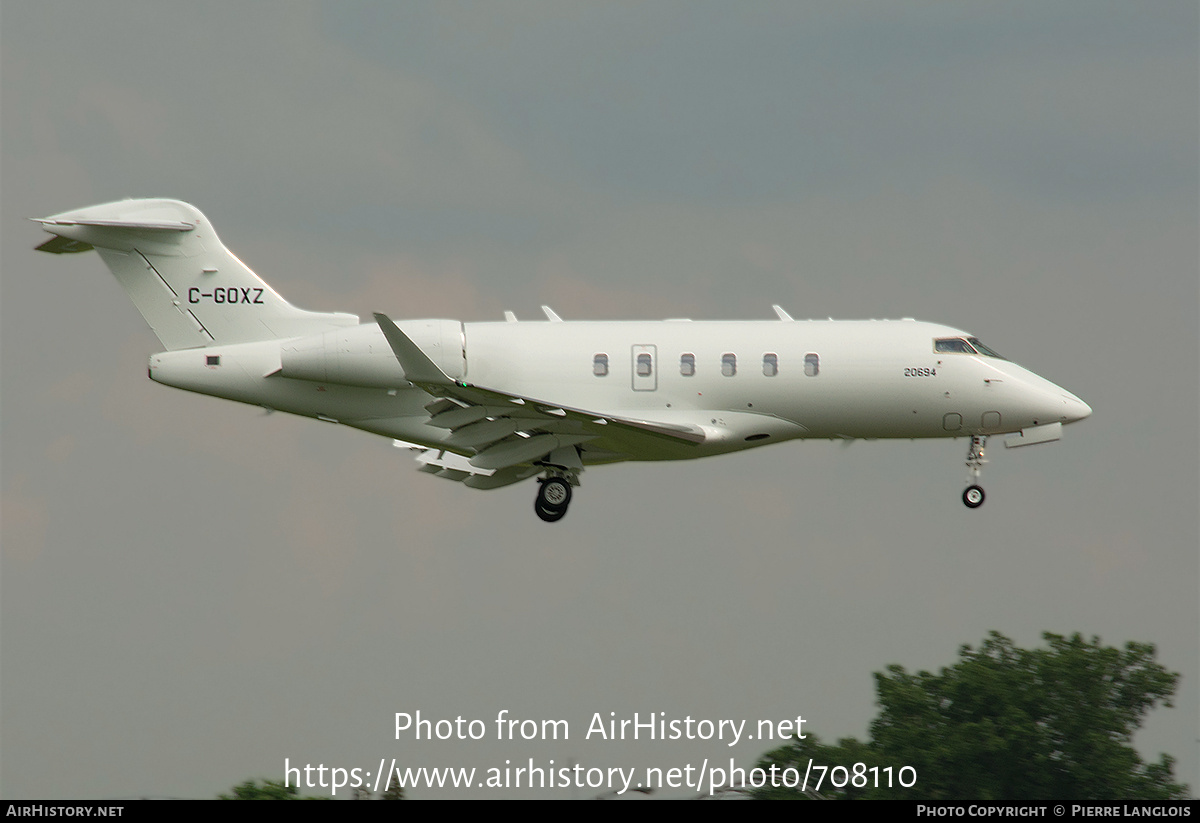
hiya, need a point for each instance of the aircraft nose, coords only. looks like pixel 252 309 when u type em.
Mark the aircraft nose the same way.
pixel 1076 409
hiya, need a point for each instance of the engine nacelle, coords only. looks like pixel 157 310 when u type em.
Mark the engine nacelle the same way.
pixel 361 356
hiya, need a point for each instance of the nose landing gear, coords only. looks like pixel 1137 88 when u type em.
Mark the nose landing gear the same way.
pixel 973 495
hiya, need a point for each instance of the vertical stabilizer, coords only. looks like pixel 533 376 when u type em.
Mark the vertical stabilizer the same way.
pixel 190 288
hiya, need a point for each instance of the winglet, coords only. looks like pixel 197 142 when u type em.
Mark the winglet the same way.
pixel 418 368
pixel 550 315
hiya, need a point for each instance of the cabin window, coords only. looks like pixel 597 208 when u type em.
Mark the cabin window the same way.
pixel 687 365
pixel 729 364
pixel 212 360
pixel 643 365
pixel 812 364
pixel 770 364
pixel 600 365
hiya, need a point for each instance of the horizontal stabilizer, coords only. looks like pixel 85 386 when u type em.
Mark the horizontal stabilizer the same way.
pixel 64 245
pixel 136 225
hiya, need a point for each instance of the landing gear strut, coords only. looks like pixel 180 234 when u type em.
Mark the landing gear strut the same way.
pixel 973 495
pixel 553 497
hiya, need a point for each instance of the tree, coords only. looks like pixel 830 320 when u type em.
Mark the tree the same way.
pixel 394 791
pixel 277 790
pixel 269 790
pixel 846 754
pixel 1010 724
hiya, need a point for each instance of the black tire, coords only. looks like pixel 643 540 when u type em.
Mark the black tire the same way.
pixel 549 515
pixel 973 497
pixel 554 494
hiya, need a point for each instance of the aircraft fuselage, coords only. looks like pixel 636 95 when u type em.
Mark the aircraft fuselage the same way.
pixel 747 383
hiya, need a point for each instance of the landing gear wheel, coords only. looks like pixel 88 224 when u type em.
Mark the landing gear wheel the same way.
pixel 554 495
pixel 973 496
pixel 549 515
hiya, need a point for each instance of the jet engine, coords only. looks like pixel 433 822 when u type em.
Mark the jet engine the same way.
pixel 361 356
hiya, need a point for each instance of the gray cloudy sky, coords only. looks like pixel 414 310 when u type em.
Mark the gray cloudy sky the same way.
pixel 192 592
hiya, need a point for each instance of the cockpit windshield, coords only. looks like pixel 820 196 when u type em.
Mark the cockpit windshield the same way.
pixel 984 350
pixel 969 345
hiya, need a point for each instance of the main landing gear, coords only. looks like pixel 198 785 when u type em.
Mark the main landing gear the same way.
pixel 973 495
pixel 553 497
pixel 562 466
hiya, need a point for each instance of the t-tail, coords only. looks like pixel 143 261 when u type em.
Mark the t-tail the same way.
pixel 191 289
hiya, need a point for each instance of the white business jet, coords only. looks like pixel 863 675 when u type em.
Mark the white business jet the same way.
pixel 489 404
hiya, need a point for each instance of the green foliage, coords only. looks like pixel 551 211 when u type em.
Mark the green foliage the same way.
pixel 276 790
pixel 846 753
pixel 393 792
pixel 1011 724
pixel 269 790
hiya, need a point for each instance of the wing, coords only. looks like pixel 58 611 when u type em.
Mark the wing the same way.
pixel 497 438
